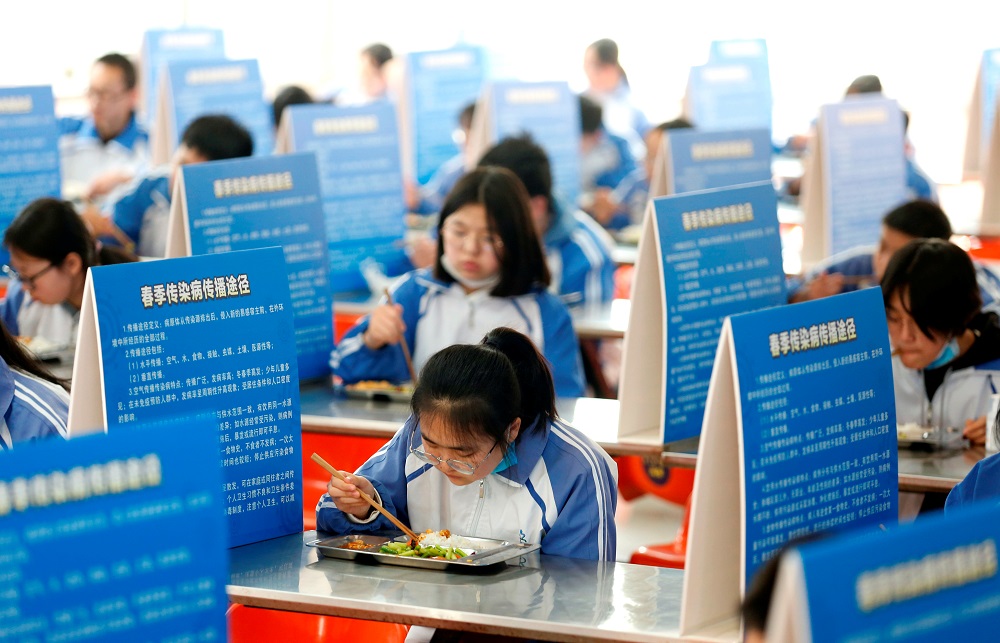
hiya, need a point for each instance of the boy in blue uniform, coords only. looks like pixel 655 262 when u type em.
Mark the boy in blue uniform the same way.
pixel 577 249
pixel 138 216
pixel 605 158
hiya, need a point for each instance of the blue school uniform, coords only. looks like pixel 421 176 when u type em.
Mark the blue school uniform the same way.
pixel 981 484
pixel 84 156
pixel 438 314
pixel 33 408
pixel 23 316
pixel 578 252
pixel 437 188
pixel 141 210
pixel 560 492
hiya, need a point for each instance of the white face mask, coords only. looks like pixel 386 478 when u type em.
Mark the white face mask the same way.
pixel 471 284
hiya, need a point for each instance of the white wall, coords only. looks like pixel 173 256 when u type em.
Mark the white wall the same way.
pixel 926 56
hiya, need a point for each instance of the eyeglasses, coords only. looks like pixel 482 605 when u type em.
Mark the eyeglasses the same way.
pixel 464 468
pixel 27 282
pixel 458 236
pixel 104 95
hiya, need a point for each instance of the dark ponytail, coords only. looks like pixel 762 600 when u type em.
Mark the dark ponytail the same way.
pixel 533 375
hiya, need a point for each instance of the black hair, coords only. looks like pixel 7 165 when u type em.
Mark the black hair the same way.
pixel 119 61
pixel 291 95
pixel 606 51
pixel 465 116
pixel 525 158
pixel 757 601
pixel 379 53
pixel 921 219
pixel 677 123
pixel 940 283
pixel 867 84
pixel 51 229
pixel 483 388
pixel 591 114
pixel 17 357
pixel 218 137
pixel 508 215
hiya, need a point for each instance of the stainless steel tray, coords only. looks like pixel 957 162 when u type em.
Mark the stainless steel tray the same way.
pixel 488 553
pixel 388 394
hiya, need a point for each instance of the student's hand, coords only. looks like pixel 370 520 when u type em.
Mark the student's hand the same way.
pixel 422 252
pixel 825 285
pixel 98 224
pixel 106 182
pixel 345 494
pixel 975 431
pixel 385 326
pixel 411 193
pixel 604 206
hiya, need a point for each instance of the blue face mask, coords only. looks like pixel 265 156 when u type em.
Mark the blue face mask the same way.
pixel 508 461
pixel 948 352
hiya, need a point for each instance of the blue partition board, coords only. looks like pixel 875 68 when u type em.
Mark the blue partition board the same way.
pixel 727 50
pixel 114 537
pixel 357 150
pixel 441 84
pixel 161 46
pixel 212 334
pixel 819 419
pixel 865 168
pixel 231 87
pixel 730 95
pixel 990 83
pixel 29 151
pixel 245 204
pixel 705 160
pixel 721 255
pixel 931 580
pixel 550 112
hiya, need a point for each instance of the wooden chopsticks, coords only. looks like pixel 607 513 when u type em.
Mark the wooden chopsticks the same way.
pixel 405 347
pixel 364 496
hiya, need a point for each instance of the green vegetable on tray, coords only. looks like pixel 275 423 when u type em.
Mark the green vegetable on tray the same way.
pixel 430 551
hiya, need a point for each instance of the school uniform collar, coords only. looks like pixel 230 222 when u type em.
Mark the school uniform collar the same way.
pixel 6 386
pixel 128 138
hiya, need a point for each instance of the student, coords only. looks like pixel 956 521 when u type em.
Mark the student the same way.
pixel 944 346
pixel 608 85
pixel 982 483
pixel 483 454
pixel 290 95
pixel 489 272
pixel 138 217
pixel 578 251
pixel 107 147
pixel 35 404
pixel 374 77
pixel 863 266
pixel 50 252
pixel 605 158
pixel 626 204
pixel 428 198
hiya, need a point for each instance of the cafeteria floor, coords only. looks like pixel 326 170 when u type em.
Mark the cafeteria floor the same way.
pixel 646 520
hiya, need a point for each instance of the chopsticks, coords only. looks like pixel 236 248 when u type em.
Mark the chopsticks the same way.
pixel 405 347
pixel 364 496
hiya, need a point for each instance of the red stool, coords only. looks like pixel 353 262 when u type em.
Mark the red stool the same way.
pixel 342 451
pixel 636 476
pixel 672 554
pixel 343 322
pixel 250 624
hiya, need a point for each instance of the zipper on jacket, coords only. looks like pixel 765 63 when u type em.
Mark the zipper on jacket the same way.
pixel 479 507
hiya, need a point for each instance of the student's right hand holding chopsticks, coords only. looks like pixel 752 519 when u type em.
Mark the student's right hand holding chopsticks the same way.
pixel 385 326
pixel 345 494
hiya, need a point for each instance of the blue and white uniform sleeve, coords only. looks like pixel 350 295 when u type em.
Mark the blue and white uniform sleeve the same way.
pixel 981 484
pixel 352 361
pixel 130 208
pixel 10 306
pixel 561 347
pixel 36 409
pixel 386 471
pixel 587 497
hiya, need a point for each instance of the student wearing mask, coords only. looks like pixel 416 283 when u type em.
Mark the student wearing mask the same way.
pixel 489 272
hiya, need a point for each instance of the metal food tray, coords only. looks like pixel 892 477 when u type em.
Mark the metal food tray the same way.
pixel 908 435
pixel 489 553
pixel 384 394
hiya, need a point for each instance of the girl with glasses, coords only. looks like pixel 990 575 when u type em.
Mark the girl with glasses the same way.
pixel 483 454
pixel 490 271
pixel 50 252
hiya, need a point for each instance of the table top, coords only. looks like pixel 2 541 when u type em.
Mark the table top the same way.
pixel 541 597
pixel 326 411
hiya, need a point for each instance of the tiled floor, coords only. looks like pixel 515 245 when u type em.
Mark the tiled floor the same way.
pixel 647 520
